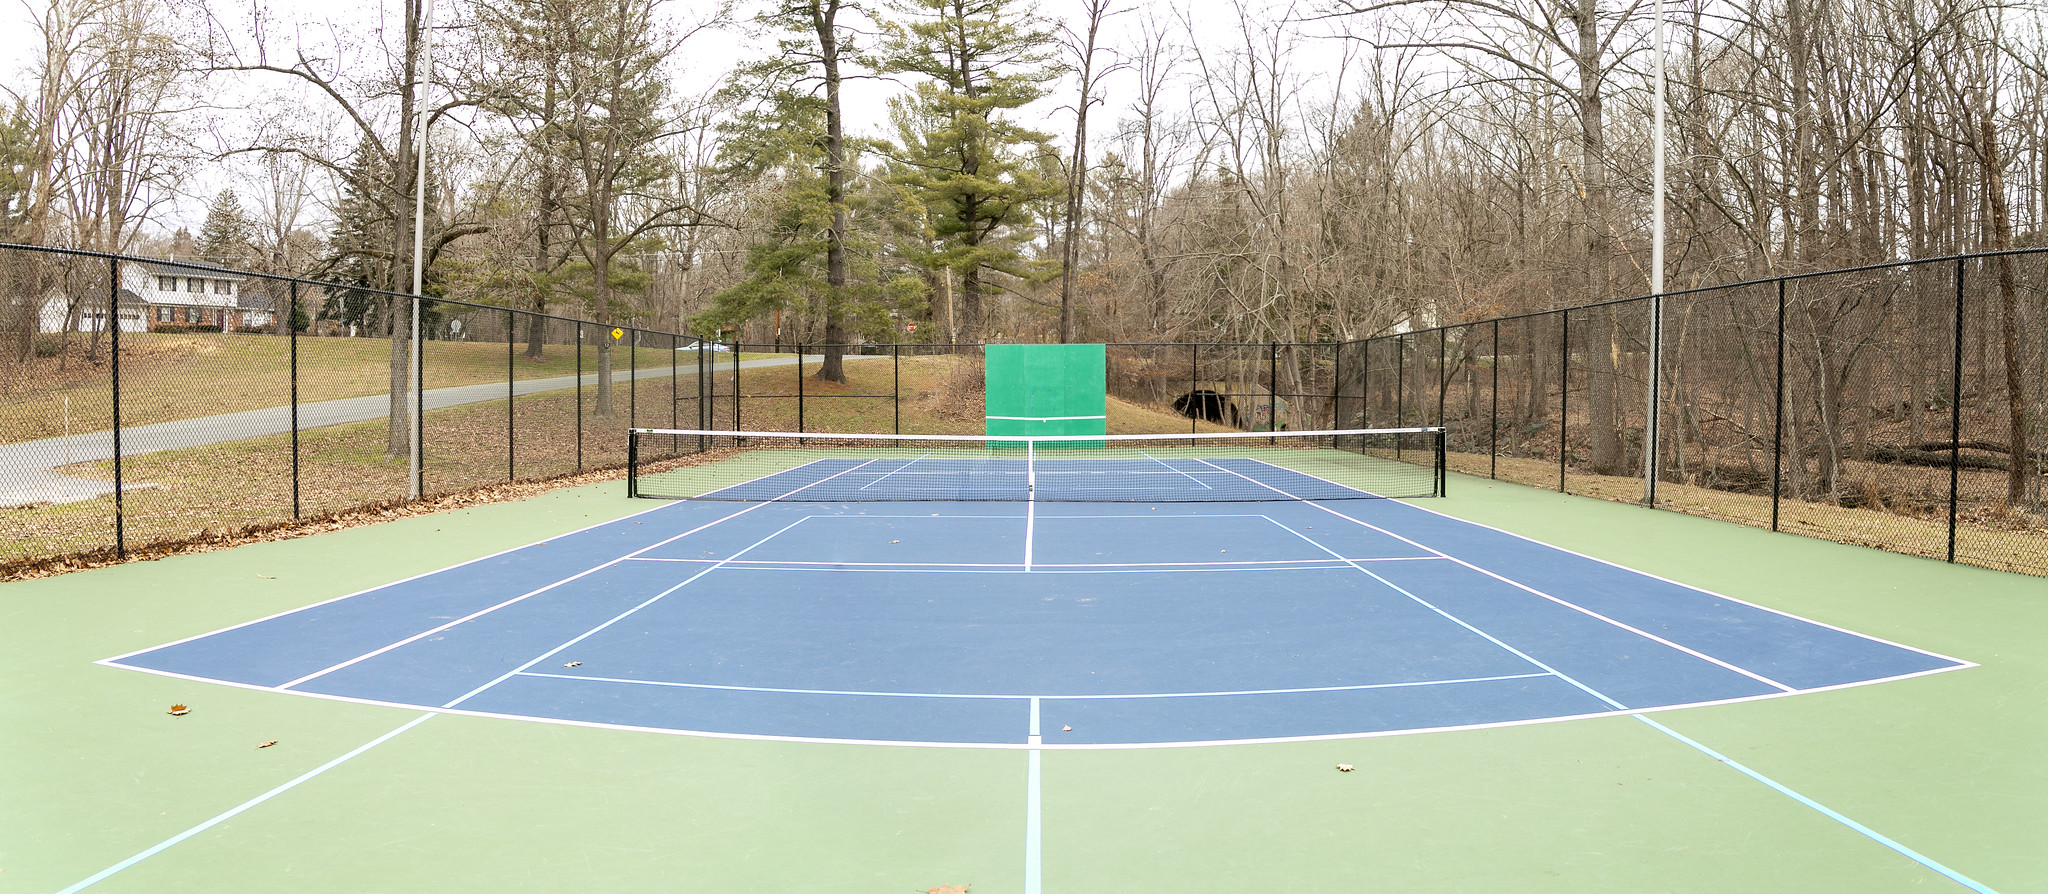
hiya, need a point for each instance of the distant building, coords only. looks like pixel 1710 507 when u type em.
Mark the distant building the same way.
pixel 162 294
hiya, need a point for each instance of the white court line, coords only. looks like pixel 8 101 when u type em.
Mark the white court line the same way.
pixel 1357 687
pixel 1461 622
pixel 1034 810
pixel 1012 746
pixel 615 619
pixel 1782 789
pixel 232 812
pixel 523 596
pixel 1533 591
pixel 900 468
pixel 1195 565
pixel 176 642
pixel 1182 474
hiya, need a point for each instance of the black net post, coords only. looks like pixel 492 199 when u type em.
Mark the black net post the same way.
pixel 632 462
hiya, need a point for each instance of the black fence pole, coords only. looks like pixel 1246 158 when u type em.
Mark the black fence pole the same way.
pixel 1778 416
pixel 579 395
pixel 1337 387
pixel 1273 394
pixel 511 392
pixel 896 386
pixel 800 389
pixel 1194 380
pixel 1400 386
pixel 1564 394
pixel 419 402
pixel 291 327
pixel 1443 343
pixel 114 363
pixel 1955 416
pixel 633 378
pixel 1493 412
pixel 736 388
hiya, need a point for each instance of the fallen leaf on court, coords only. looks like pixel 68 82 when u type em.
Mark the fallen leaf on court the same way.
pixel 1345 768
pixel 1066 729
pixel 574 664
pixel 266 577
pixel 268 744
pixel 895 541
pixel 180 709
pixel 947 889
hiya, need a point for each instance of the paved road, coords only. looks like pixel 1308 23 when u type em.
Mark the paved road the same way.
pixel 25 468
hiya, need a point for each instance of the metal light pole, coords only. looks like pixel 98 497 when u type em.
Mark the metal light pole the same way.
pixel 1656 276
pixel 414 457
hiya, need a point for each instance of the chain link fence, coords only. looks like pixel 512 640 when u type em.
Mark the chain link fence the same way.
pixel 1899 406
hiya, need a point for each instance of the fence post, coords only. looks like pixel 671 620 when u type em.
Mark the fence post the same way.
pixel 1955 416
pixel 1336 386
pixel 1194 378
pixel 511 392
pixel 1652 429
pixel 579 395
pixel 633 378
pixel 1564 394
pixel 419 401
pixel 736 387
pixel 1400 387
pixel 800 389
pixel 1778 416
pixel 1443 346
pixel 1493 412
pixel 291 329
pixel 1273 395
pixel 114 346
pixel 896 385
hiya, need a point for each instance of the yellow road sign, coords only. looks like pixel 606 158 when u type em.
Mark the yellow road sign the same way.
pixel 618 334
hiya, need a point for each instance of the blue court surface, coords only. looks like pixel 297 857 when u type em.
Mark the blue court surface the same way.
pixel 1030 625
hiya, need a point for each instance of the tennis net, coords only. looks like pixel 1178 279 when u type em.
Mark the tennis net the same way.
pixel 1164 468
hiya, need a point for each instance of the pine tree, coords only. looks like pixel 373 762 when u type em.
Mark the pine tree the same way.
pixel 975 170
pixel 224 238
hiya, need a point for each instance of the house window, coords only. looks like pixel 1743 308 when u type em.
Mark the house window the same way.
pixel 191 315
pixel 223 287
pixel 163 315
pixel 166 283
pixel 195 284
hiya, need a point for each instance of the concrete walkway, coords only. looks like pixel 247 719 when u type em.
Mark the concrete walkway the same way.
pixel 25 468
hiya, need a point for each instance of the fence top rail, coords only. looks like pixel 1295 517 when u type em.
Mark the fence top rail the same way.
pixel 1764 281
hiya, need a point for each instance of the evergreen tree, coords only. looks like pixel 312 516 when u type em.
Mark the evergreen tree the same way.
pixel 224 238
pixel 975 170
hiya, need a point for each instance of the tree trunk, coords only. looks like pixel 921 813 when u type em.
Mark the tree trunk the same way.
pixel 823 17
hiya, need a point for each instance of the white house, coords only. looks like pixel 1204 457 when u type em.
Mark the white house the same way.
pixel 155 294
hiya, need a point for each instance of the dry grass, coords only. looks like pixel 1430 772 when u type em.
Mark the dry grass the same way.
pixel 222 494
pixel 171 377
pixel 1988 537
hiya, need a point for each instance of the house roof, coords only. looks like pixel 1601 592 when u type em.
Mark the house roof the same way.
pixel 189 268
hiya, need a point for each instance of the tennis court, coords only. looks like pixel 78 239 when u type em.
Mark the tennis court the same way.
pixel 889 669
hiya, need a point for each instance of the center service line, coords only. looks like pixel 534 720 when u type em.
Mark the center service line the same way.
pixel 1034 812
